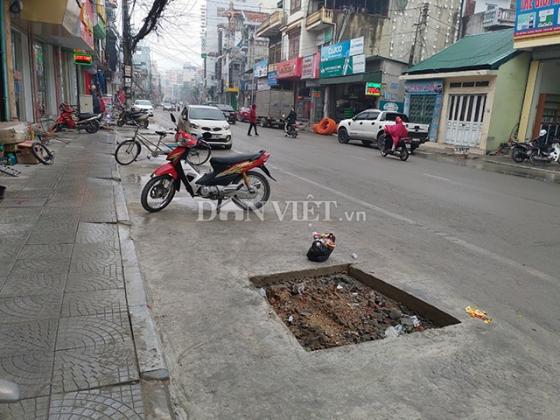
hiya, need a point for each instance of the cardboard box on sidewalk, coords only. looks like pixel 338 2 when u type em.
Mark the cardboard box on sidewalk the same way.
pixel 24 154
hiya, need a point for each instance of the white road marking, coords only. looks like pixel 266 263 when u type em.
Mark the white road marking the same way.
pixel 438 177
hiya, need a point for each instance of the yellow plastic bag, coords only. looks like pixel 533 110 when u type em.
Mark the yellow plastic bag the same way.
pixel 477 313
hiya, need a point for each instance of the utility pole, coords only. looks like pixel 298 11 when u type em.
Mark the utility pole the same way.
pixel 420 28
pixel 127 53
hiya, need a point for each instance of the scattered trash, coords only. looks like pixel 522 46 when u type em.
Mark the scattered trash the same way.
pixel 394 331
pixel 354 256
pixel 262 292
pixel 291 319
pixel 322 247
pixel 477 313
pixel 415 321
pixel 339 287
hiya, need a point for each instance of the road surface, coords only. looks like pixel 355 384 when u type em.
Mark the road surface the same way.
pixel 449 234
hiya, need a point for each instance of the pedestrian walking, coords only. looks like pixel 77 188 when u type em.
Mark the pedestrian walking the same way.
pixel 253 120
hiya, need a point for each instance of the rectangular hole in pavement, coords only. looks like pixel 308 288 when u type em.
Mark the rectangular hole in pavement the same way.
pixel 339 305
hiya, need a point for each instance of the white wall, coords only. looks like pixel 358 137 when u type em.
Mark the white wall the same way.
pixel 482 5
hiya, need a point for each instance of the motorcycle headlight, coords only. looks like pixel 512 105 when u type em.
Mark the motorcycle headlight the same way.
pixel 195 126
pixel 226 127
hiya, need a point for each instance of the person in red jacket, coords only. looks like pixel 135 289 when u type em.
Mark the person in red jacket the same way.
pixel 397 132
pixel 253 120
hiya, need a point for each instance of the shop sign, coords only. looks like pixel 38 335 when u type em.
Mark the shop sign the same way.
pixel 231 90
pixel 343 66
pixel 128 71
pixel 101 11
pixel 289 68
pixel 373 89
pixel 260 68
pixel 536 17
pixel 343 49
pixel 82 58
pixel 272 78
pixel 391 106
pixel 310 66
pixel 262 84
pixel 424 86
pixel 86 23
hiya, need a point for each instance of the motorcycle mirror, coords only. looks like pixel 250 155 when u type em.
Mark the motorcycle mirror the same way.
pixel 9 391
pixel 173 117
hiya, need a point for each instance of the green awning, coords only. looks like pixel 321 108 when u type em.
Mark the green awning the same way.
pixel 99 30
pixel 488 50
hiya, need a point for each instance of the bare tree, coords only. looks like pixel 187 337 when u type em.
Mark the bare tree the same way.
pixel 151 22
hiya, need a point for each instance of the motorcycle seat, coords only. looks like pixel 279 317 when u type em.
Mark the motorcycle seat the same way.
pixel 161 133
pixel 234 159
pixel 86 115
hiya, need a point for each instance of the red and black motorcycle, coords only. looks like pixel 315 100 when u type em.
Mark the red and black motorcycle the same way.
pixel 68 118
pixel 231 177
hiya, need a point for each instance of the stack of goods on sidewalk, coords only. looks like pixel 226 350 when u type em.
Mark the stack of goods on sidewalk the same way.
pixel 13 145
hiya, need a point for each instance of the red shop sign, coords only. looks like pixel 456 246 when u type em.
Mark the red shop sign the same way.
pixel 289 69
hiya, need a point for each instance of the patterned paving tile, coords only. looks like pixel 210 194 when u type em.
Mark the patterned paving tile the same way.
pixel 89 233
pixel 63 235
pixel 23 202
pixel 93 303
pixel 26 337
pixel 99 216
pixel 30 284
pixel 79 369
pixel 96 267
pixel 31 371
pixel 30 409
pixel 117 402
pixel 28 308
pixel 92 281
pixel 92 332
pixel 15 228
pixel 97 251
pixel 46 251
pixel 42 265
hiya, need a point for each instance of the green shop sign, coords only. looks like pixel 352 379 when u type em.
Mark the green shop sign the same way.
pixel 343 66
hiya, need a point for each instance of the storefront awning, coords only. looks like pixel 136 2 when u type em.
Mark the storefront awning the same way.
pixel 355 78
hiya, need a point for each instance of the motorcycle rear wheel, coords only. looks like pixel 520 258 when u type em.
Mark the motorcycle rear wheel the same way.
pixel 158 188
pixel 258 182
pixel 92 127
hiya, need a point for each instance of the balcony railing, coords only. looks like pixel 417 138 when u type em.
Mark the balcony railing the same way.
pixel 320 19
pixel 272 25
pixel 498 17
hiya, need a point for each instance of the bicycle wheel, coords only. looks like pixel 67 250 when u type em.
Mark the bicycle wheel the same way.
pixel 41 153
pixel 127 152
pixel 199 156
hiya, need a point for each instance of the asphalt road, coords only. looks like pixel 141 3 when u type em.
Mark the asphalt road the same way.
pixel 449 234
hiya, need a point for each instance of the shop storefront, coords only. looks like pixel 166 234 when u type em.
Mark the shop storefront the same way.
pixel 288 75
pixel 309 105
pixel 422 104
pixel 23 90
pixel 538 30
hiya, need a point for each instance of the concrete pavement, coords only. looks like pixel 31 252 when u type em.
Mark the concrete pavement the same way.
pixel 451 235
pixel 65 331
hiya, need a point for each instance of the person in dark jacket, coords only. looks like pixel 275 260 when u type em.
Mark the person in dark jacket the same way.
pixel 95 99
pixel 291 119
pixel 253 120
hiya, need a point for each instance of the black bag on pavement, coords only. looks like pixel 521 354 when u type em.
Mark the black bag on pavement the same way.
pixel 322 247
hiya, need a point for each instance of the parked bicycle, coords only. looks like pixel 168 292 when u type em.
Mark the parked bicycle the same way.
pixel 129 150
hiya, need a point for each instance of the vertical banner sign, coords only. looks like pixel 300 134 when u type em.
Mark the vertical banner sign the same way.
pixel 534 18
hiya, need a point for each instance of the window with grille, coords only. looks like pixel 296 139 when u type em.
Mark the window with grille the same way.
pixel 293 49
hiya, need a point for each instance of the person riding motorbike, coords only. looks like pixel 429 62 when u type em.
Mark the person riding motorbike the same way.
pixel 290 119
pixel 397 132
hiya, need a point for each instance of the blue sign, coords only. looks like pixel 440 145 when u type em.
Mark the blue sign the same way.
pixel 260 68
pixel 536 17
pixel 272 78
pixel 335 51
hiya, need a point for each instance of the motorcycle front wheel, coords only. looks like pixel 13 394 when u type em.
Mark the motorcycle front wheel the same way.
pixel 158 193
pixel 518 154
pixel 404 153
pixel 254 197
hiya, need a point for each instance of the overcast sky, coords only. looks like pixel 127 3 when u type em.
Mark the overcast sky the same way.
pixel 178 41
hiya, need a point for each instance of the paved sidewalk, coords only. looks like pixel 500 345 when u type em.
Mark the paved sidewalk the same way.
pixel 65 334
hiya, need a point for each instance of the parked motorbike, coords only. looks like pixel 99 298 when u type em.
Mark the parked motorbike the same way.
pixel 232 178
pixel 401 151
pixel 521 151
pixel 70 119
pixel 546 154
pixel 133 117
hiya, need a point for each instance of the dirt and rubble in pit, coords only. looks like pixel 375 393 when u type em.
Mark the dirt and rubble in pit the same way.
pixel 336 310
